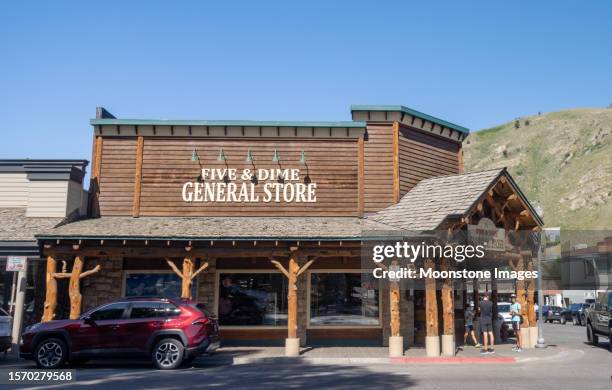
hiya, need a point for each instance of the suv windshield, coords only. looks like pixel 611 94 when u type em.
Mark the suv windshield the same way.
pixel 575 306
pixel 503 308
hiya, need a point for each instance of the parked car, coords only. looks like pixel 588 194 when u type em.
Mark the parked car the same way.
pixel 169 331
pixel 575 313
pixel 552 313
pixel 503 308
pixel 6 322
pixel 599 319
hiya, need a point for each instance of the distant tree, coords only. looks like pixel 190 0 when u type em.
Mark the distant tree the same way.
pixel 517 124
pixel 527 123
pixel 539 113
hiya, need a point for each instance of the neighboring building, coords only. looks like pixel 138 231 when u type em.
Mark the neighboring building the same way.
pixel 167 189
pixel 586 270
pixel 35 195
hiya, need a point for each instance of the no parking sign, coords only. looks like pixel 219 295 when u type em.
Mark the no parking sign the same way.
pixel 15 263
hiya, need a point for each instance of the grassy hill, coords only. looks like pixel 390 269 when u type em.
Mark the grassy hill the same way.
pixel 561 160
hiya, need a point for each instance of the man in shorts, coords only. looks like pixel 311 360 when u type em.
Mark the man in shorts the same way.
pixel 470 313
pixel 515 312
pixel 486 324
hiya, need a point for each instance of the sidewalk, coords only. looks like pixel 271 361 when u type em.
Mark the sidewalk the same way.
pixel 374 355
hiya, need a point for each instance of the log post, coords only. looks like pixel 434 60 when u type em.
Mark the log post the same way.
pixel 396 341
pixel 74 288
pixel 292 298
pixel 292 343
pixel 448 313
pixel 51 291
pixel 187 275
pixel 521 299
pixel 494 300
pixel 531 314
pixel 432 340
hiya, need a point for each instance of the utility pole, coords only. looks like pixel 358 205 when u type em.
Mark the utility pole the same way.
pixel 21 285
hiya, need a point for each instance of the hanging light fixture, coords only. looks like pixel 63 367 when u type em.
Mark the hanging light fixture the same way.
pixel 251 159
pixel 276 156
pixel 194 155
pixel 221 156
pixel 307 179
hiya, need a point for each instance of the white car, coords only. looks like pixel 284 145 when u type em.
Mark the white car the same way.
pixel 503 308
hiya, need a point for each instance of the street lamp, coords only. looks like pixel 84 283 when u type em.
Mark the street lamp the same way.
pixel 541 246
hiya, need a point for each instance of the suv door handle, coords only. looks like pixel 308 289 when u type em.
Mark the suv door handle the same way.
pixel 158 323
pixel 115 326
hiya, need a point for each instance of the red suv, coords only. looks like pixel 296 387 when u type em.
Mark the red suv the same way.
pixel 170 331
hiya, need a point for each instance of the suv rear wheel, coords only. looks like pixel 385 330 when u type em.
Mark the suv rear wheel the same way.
pixel 51 353
pixel 168 354
pixel 591 336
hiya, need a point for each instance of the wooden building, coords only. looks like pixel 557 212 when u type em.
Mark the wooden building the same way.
pixel 264 222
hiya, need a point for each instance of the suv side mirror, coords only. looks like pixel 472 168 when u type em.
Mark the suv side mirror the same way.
pixel 89 321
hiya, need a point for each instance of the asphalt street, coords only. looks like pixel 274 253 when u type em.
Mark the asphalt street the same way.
pixel 568 364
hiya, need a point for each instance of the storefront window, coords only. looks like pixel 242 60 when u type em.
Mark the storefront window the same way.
pixel 252 299
pixel 146 284
pixel 349 299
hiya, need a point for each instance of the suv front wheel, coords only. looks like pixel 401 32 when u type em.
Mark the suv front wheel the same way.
pixel 51 353
pixel 168 354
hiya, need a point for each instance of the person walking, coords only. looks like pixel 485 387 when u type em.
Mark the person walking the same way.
pixel 486 325
pixel 470 313
pixel 515 312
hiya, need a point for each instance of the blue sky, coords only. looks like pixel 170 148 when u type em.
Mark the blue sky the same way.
pixel 477 64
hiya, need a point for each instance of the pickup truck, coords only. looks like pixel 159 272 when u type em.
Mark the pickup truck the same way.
pixel 599 319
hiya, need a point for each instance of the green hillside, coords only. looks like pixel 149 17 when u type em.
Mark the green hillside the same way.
pixel 561 160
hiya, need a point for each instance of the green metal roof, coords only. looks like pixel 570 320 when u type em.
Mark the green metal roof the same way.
pixel 237 123
pixel 412 112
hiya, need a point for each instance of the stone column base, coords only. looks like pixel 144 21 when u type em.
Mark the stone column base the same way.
pixel 525 342
pixel 292 347
pixel 432 346
pixel 448 345
pixel 533 336
pixel 396 346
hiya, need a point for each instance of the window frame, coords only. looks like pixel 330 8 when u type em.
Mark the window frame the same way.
pixel 218 273
pixel 126 273
pixel 340 271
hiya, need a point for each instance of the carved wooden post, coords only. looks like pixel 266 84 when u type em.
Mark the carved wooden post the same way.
pixel 187 275
pixel 448 313
pixel 292 344
pixel 432 340
pixel 396 341
pixel 74 288
pixel 531 314
pixel 521 299
pixel 51 291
